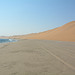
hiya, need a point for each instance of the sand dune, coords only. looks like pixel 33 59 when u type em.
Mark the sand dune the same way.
pixel 63 33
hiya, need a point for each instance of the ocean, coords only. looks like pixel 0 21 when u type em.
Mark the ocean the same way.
pixel 7 40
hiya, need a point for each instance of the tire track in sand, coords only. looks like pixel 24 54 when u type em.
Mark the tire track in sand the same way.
pixel 61 60
pixel 57 57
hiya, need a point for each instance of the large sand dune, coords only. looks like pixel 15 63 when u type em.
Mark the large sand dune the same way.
pixel 63 33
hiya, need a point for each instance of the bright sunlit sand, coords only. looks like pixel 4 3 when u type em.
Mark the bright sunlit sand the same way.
pixel 62 33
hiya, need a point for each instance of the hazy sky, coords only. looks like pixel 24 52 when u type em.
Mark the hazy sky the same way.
pixel 19 17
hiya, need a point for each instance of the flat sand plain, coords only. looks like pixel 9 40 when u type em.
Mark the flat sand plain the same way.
pixel 37 57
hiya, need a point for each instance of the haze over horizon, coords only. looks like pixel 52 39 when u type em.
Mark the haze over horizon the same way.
pixel 20 17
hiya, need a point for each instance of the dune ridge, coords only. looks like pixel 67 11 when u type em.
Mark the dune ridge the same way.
pixel 63 33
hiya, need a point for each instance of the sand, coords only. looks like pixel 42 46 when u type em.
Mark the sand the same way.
pixel 63 33
pixel 38 54
pixel 37 57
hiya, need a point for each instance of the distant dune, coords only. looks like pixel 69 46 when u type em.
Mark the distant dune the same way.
pixel 63 33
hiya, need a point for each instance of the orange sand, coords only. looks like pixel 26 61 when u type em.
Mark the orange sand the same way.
pixel 63 33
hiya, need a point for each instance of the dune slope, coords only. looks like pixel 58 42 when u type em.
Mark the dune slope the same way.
pixel 63 33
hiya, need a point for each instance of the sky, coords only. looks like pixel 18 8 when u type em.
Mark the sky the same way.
pixel 20 17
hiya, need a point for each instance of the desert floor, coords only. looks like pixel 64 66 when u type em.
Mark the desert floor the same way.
pixel 37 57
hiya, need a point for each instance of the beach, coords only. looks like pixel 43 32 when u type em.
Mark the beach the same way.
pixel 37 37
pixel 37 57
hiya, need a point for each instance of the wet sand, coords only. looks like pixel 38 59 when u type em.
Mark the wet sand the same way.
pixel 37 57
